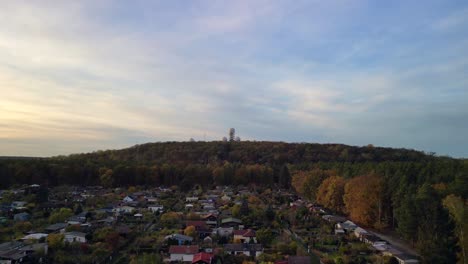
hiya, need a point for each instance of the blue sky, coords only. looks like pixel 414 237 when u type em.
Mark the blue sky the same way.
pixel 78 76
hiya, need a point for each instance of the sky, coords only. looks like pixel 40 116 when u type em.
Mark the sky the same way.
pixel 79 76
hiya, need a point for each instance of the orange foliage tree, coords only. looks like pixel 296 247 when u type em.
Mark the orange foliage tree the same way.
pixel 330 193
pixel 306 183
pixel 362 199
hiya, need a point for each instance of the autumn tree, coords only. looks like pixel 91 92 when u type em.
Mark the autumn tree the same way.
pixel 362 199
pixel 458 208
pixel 190 231
pixel 106 177
pixel 307 182
pixel 170 219
pixel 330 193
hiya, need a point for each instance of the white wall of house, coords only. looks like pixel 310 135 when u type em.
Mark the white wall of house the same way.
pixel 72 239
pixel 181 257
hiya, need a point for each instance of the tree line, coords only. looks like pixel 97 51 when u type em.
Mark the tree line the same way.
pixel 421 196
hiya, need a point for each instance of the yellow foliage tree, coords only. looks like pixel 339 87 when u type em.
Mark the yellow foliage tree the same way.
pixel 362 199
pixel 190 231
pixel 330 193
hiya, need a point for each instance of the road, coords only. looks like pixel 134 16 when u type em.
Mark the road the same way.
pixel 396 242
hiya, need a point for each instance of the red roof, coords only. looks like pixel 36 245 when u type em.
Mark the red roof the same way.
pixel 189 250
pixel 209 215
pixel 245 233
pixel 202 257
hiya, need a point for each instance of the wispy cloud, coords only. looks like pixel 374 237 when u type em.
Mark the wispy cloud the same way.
pixel 86 75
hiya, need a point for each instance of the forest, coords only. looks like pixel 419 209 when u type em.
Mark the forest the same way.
pixel 421 196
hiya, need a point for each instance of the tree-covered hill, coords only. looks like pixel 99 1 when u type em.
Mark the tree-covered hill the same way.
pixel 172 162
pixel 251 152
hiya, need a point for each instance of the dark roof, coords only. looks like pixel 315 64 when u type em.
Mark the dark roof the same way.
pixel 243 247
pixel 57 226
pixel 299 260
pixel 190 250
pixel 196 224
pixel 245 233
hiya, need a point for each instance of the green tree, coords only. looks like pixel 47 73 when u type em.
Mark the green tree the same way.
pixel 60 216
pixel 458 209
pixel 285 178
pixel 436 242
pixel 55 241
pixel 406 215
pixel 106 177
pixel 265 236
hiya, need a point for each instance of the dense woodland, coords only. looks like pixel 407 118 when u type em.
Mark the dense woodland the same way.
pixel 421 196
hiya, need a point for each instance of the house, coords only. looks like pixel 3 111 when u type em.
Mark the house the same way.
pixel 56 228
pixel 18 252
pixel 156 208
pixel 151 199
pixel 244 249
pixel 358 232
pixel 191 199
pixel 208 240
pixel 406 259
pixel 10 252
pixel 226 198
pixel 33 248
pixel 333 218
pixel 129 199
pixel 209 207
pixel 108 221
pixel 35 236
pixel 196 224
pixel 18 205
pixel 78 219
pixel 72 237
pixel 372 239
pixel 124 209
pixel 245 236
pixel 183 253
pixel 231 222
pixel 211 219
pixel 339 231
pixel 223 231
pixel 181 239
pixel 347 226
pixel 21 217
pixel 202 258
pixel 200 226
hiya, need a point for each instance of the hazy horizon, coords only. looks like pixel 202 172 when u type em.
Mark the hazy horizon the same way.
pixel 80 76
